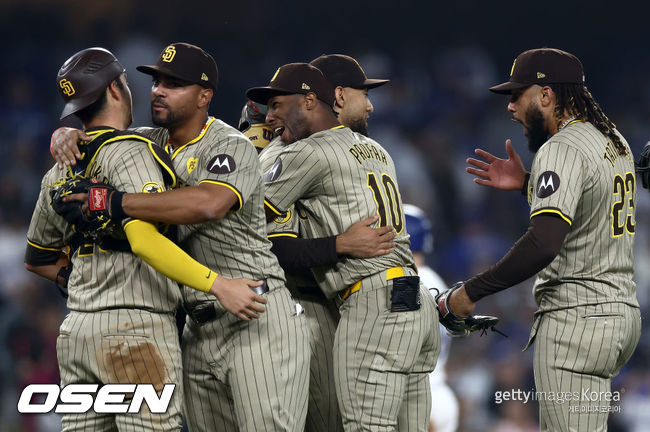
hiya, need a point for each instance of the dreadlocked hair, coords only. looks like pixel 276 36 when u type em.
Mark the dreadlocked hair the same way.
pixel 577 101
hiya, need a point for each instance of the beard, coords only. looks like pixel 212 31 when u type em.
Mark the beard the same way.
pixel 358 125
pixel 537 130
pixel 166 119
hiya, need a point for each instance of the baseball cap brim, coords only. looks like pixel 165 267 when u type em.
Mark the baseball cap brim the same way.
pixel 373 83
pixel 262 95
pixel 154 69
pixel 507 87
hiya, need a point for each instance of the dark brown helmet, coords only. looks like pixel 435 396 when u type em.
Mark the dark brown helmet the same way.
pixel 85 76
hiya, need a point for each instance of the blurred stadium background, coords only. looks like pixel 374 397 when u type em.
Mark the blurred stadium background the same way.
pixel 441 58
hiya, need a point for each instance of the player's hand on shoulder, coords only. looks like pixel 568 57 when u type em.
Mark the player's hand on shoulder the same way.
pixel 504 174
pixel 63 145
pixel 238 298
pixel 361 240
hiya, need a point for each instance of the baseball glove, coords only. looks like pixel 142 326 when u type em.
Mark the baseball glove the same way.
pixel 643 166
pixel 97 222
pixel 461 327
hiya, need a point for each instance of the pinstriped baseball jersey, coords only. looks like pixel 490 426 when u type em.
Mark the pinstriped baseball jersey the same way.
pixel 340 177
pixel 235 246
pixel 579 176
pixel 109 279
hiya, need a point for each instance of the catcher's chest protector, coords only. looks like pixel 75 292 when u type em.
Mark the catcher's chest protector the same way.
pixel 89 150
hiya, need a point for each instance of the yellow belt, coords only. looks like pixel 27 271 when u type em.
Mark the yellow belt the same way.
pixel 391 273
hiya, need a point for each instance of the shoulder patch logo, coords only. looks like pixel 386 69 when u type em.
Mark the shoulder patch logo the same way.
pixel 191 164
pixel 274 172
pixel 152 187
pixel 221 164
pixel 547 184
pixel 281 220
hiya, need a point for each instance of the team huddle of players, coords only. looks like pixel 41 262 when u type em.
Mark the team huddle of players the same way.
pixel 304 306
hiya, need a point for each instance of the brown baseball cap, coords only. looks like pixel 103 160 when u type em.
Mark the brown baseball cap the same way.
pixel 85 76
pixel 542 66
pixel 185 62
pixel 294 78
pixel 345 71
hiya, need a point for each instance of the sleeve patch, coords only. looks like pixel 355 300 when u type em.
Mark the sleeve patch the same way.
pixel 152 187
pixel 274 172
pixel 221 164
pixel 547 184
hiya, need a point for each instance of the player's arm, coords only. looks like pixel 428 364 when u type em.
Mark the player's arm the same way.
pixel 531 253
pixel 189 205
pixel 170 260
pixel 46 262
pixel 504 174
pixel 359 241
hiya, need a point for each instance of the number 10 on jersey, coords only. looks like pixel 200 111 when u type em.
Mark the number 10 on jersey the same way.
pixel 391 195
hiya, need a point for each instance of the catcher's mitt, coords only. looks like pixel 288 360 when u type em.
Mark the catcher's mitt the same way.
pixel 643 166
pixel 97 222
pixel 461 327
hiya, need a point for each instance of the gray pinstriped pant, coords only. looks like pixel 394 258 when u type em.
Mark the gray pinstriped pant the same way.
pixel 577 353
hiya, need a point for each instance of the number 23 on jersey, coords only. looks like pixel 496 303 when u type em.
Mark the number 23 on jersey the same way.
pixel 623 207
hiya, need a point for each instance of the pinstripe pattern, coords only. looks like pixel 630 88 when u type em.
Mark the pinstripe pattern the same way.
pixel 239 376
pixel 121 346
pixel 588 323
pixel 579 350
pixel 322 317
pixel 121 326
pixel 593 267
pixel 46 228
pixel 381 359
pixel 248 376
pixel 332 185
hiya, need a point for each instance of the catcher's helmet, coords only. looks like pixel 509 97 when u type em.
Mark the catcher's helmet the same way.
pixel 418 226
pixel 252 123
pixel 83 78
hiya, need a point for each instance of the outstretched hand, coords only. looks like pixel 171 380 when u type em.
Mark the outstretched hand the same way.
pixel 504 174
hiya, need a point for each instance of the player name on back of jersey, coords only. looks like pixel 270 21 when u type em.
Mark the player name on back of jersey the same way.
pixel 611 154
pixel 368 150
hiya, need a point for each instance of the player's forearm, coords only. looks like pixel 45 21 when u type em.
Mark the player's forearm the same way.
pixel 188 205
pixel 296 254
pixel 49 271
pixel 166 257
pixel 533 251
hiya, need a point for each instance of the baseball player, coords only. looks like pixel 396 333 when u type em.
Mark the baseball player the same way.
pixel 121 326
pixel 351 87
pixel 582 194
pixel 237 376
pixel 385 344
pixel 444 407
pixel 296 256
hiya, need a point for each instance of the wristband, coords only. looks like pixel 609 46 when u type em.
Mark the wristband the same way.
pixel 117 211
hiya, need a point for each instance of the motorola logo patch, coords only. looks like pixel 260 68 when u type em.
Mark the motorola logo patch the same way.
pixel 547 184
pixel 274 172
pixel 221 164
